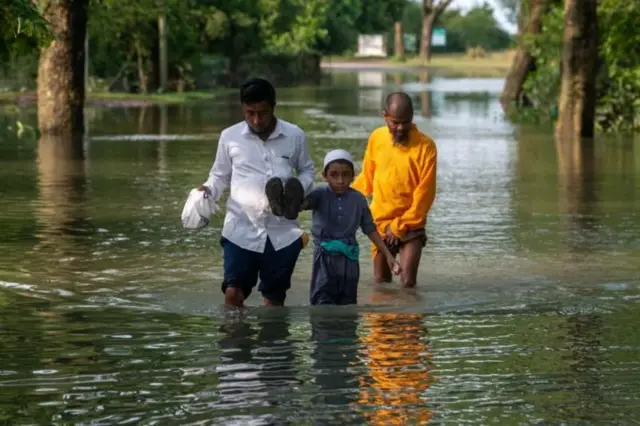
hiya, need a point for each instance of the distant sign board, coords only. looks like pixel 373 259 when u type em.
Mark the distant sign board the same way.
pixel 439 37
pixel 410 42
pixel 371 45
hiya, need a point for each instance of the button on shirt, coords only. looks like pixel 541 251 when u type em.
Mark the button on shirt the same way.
pixel 244 163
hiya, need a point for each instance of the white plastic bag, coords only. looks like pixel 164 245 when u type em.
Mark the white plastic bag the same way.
pixel 198 209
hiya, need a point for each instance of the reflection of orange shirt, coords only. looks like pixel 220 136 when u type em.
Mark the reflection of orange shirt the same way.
pixel 399 363
pixel 402 180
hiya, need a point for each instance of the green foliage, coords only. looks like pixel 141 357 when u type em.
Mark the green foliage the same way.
pixel 210 40
pixel 342 33
pixel 22 27
pixel 291 27
pixel 476 28
pixel 124 35
pixel 618 107
pixel 543 86
pixel 619 85
pixel 346 19
pixel 23 31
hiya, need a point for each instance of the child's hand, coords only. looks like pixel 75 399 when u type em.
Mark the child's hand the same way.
pixel 395 266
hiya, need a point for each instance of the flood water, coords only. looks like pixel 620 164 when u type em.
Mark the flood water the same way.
pixel 526 312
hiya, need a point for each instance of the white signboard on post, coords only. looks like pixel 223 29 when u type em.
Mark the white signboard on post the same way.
pixel 371 45
pixel 439 37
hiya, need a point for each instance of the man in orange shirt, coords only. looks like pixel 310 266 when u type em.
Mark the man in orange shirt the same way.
pixel 399 171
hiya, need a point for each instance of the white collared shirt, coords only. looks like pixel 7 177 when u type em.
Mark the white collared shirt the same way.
pixel 244 163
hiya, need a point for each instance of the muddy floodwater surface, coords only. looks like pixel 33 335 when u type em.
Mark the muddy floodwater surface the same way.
pixel 526 310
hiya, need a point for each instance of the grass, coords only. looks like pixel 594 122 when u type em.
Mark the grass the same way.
pixel 493 64
pixel 170 98
pixel 106 98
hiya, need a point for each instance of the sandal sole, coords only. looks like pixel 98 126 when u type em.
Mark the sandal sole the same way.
pixel 275 194
pixel 293 197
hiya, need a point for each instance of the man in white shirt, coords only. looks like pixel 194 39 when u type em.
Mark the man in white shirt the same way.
pixel 257 243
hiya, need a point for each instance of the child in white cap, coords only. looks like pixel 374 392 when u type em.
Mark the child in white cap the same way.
pixel 338 212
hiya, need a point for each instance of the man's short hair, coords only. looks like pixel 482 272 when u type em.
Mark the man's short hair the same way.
pixel 400 97
pixel 256 90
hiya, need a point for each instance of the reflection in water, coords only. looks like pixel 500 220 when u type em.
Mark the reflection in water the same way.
pixel 425 96
pixel 577 192
pixel 371 93
pixel 142 120
pixel 585 391
pixel 258 366
pixel 584 341
pixel 162 144
pixel 23 342
pixel 374 88
pixel 335 359
pixel 62 182
pixel 399 362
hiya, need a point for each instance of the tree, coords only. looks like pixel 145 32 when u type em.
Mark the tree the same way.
pixel 342 32
pixel 431 10
pixel 61 91
pixel 291 27
pixel 619 77
pixel 577 105
pixel 21 27
pixel 396 9
pixel 523 61
pixel 23 31
pixel 477 28
pixel 512 10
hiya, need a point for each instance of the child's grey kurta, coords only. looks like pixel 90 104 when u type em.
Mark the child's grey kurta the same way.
pixel 334 279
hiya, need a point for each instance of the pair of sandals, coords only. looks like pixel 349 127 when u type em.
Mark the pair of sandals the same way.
pixel 285 199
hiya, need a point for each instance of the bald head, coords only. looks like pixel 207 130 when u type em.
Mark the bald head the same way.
pixel 398 114
pixel 399 104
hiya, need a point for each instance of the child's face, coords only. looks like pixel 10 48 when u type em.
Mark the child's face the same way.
pixel 339 176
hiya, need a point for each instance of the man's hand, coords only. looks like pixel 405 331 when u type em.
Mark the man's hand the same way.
pixel 389 238
pixel 394 266
pixel 205 189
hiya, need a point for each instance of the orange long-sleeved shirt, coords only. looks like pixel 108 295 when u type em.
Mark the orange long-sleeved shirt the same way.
pixel 401 178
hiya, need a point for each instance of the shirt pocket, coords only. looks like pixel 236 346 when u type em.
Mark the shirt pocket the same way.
pixel 282 162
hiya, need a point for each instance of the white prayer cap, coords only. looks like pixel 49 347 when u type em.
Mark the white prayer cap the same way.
pixel 337 154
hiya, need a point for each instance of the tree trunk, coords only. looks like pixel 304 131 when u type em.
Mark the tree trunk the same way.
pixel 430 13
pixel 61 85
pixel 86 62
pixel 398 42
pixel 164 60
pixel 143 81
pixel 523 62
pixel 427 33
pixel 577 105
